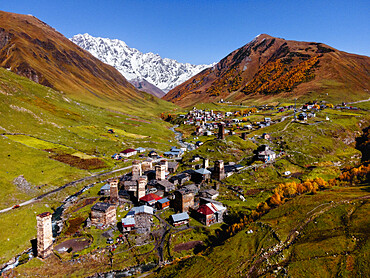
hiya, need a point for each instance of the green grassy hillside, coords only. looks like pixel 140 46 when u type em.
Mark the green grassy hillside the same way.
pixel 52 139
pixel 41 127
pixel 333 243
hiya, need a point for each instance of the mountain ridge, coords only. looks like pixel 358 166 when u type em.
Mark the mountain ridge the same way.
pixel 164 73
pixel 31 48
pixel 267 68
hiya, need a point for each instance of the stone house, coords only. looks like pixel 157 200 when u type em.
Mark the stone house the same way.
pixel 103 215
pixel 147 165
pixel 105 190
pixel 210 213
pixel 202 174
pixel 180 179
pixel 210 193
pixel 172 167
pixel 143 216
pixel 165 186
pixel 266 154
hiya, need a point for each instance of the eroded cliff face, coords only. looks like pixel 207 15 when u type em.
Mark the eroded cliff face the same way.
pixel 8 49
pixel 5 37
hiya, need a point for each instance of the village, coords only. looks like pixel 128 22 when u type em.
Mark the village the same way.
pixel 207 122
pixel 164 193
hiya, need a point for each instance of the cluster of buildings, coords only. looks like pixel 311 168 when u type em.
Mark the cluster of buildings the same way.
pixel 154 187
pixel 198 115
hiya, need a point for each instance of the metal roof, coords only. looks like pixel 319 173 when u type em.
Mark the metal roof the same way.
pixel 128 151
pixel 180 217
pixel 128 221
pixel 142 209
pixel 150 197
pixel 203 171
pixel 210 208
pixel 164 200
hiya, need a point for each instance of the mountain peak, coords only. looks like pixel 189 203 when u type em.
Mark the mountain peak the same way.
pixel 263 36
pixel 268 66
pixel 164 73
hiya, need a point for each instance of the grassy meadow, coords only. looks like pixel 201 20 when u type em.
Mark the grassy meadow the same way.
pixel 51 139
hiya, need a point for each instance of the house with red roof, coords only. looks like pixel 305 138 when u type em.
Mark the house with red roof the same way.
pixel 210 213
pixel 128 153
pixel 128 224
pixel 150 199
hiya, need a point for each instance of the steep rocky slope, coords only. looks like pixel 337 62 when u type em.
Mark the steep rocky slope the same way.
pixel 31 48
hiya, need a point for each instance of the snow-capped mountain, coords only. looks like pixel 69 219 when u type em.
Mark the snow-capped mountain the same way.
pixel 164 73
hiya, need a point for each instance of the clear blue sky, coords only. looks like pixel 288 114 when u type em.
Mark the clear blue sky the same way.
pixel 205 31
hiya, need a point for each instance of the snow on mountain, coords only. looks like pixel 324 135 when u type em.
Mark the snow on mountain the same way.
pixel 164 73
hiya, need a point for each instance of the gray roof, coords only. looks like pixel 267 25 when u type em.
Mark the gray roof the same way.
pixel 191 187
pixel 166 183
pixel 203 171
pixel 105 187
pixel 128 221
pixel 180 216
pixel 142 209
pixel 101 206
pixel 172 164
pixel 211 191
pixel 171 153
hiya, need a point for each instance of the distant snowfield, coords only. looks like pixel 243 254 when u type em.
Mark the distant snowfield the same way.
pixel 164 73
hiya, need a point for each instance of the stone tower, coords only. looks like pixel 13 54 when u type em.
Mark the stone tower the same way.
pixel 165 163
pixel 136 169
pixel 141 184
pixel 44 235
pixel 184 200
pixel 221 131
pixel 160 172
pixel 205 163
pixel 113 190
pixel 219 170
